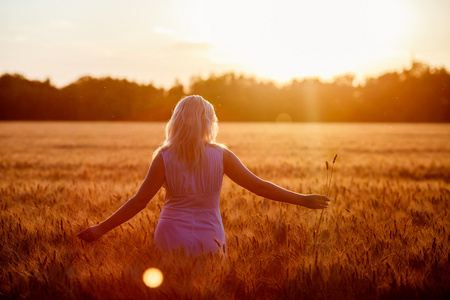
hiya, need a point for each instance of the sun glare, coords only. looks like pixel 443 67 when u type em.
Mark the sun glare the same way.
pixel 152 277
pixel 286 39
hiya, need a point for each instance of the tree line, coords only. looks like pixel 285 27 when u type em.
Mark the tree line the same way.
pixel 419 93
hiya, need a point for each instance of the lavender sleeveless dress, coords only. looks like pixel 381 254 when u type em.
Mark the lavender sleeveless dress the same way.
pixel 190 217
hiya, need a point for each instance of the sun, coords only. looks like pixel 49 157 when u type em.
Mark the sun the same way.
pixel 286 39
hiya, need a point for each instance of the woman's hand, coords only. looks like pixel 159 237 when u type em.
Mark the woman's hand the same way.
pixel 90 234
pixel 316 201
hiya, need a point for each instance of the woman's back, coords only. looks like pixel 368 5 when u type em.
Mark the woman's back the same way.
pixel 181 182
pixel 190 218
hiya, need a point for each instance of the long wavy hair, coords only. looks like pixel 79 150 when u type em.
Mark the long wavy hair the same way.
pixel 192 127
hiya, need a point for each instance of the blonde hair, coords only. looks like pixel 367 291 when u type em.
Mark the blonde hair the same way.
pixel 192 127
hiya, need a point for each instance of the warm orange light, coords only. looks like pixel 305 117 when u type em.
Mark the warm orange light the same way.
pixel 153 277
pixel 305 38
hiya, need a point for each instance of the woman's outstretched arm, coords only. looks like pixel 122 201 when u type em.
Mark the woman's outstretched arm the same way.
pixel 152 183
pixel 237 172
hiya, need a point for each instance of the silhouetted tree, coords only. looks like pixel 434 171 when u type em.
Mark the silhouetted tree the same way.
pixel 417 94
pixel 112 99
pixel 22 99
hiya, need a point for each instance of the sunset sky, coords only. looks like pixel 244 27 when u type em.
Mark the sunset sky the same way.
pixel 161 41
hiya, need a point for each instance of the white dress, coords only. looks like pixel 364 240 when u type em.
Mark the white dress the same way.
pixel 190 217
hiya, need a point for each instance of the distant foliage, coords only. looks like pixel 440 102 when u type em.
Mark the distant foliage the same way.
pixel 417 94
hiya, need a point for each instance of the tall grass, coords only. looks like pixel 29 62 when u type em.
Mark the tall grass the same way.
pixel 393 240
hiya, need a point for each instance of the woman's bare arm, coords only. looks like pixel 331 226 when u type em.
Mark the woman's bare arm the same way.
pixel 152 183
pixel 237 172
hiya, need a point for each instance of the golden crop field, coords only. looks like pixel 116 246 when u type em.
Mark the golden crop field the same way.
pixel 385 235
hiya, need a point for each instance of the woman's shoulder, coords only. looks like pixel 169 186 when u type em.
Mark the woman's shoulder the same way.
pixel 227 154
pixel 217 146
pixel 161 151
pixel 218 149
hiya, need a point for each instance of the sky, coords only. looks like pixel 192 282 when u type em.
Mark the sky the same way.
pixel 165 41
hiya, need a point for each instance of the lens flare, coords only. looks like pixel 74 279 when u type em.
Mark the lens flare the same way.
pixel 152 277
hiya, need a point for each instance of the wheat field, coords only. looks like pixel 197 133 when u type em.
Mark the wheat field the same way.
pixel 385 235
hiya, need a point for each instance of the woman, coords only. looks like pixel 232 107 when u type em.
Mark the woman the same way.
pixel 190 166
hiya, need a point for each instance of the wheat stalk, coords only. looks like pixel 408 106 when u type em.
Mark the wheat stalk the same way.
pixel 327 190
pixel 331 175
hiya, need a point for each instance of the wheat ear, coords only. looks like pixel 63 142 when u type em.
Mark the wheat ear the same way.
pixel 327 188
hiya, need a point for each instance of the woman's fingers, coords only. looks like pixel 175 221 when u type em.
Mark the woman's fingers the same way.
pixel 322 205
pixel 83 234
pixel 89 234
pixel 319 202
pixel 325 201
